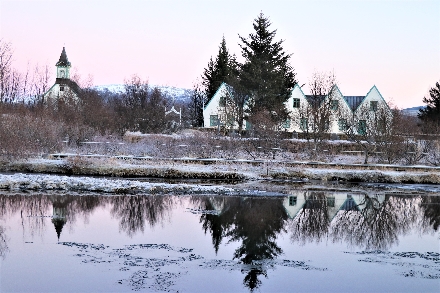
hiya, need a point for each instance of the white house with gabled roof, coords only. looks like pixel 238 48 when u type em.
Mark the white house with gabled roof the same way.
pixel 215 111
pixel 339 103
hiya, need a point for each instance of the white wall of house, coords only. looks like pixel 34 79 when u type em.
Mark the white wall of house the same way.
pixel 296 100
pixel 213 111
pixel 213 107
pixel 373 96
pixel 343 107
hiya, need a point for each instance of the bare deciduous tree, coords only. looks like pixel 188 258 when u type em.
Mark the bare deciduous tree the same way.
pixel 6 53
pixel 141 108
pixel 371 128
pixel 314 118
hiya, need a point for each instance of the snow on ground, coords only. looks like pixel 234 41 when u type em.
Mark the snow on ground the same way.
pixel 383 176
pixel 251 176
pixel 51 182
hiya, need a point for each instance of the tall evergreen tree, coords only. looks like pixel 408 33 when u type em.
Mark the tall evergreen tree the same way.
pixel 431 113
pixel 219 70
pixel 266 74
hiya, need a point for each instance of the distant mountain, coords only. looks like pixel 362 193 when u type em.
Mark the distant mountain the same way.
pixel 412 111
pixel 178 94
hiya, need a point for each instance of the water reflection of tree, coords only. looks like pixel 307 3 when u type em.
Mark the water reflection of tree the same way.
pixel 255 222
pixel 378 225
pixel 212 223
pixel 431 211
pixel 32 208
pixel 312 221
pixel 373 223
pixel 82 206
pixel 135 210
pixel 132 210
pixel 35 208
pixel 3 242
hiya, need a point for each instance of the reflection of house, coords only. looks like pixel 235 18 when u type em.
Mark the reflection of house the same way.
pixel 216 205
pixel 64 87
pixel 216 111
pixel 331 202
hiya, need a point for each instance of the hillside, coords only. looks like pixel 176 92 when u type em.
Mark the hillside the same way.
pixel 178 94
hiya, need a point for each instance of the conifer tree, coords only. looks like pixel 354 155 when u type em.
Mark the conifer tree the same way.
pixel 431 113
pixel 219 70
pixel 266 73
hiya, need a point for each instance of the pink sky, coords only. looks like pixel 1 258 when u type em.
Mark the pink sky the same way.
pixel 394 45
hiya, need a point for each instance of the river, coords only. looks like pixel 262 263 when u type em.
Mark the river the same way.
pixel 305 241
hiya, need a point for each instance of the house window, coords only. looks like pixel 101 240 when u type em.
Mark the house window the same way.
pixel 373 106
pixel 304 124
pixel 331 202
pixel 334 104
pixel 292 200
pixel 342 124
pixel 248 125
pixel 362 129
pixel 295 103
pixel 222 101
pixel 61 88
pixel 213 120
pixel 286 124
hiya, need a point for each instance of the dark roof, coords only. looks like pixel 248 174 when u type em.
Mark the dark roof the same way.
pixel 63 59
pixel 354 101
pixel 70 83
pixel 312 98
pixel 349 205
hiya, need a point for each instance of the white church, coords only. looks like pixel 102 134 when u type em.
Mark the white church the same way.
pixel 64 87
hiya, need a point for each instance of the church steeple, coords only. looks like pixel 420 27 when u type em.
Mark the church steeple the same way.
pixel 59 224
pixel 63 66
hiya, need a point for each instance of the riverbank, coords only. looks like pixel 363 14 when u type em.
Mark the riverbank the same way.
pixel 238 170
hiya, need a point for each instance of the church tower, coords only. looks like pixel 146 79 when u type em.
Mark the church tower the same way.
pixel 63 66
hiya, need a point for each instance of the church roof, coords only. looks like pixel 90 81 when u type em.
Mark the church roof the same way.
pixel 70 83
pixel 63 59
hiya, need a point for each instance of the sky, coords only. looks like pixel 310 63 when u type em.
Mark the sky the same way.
pixel 394 45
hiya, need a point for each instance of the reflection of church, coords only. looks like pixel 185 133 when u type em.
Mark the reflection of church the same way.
pixel 333 202
pixel 59 213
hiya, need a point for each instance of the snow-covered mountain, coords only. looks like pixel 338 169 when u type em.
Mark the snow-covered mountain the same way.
pixel 178 94
pixel 412 111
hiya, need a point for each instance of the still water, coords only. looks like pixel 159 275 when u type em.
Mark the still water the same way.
pixel 307 241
